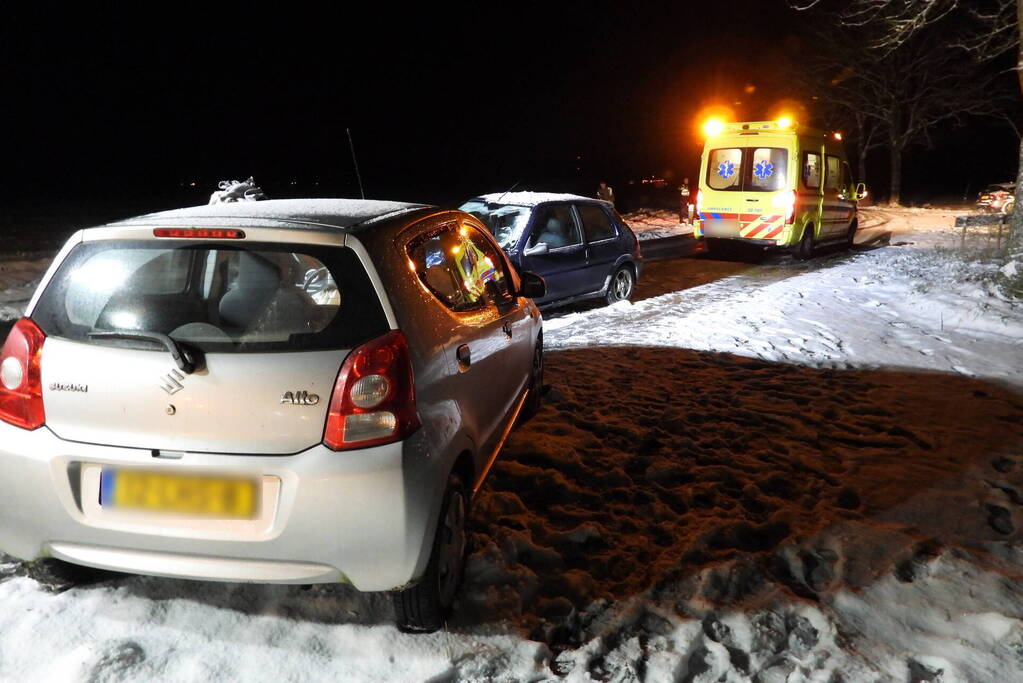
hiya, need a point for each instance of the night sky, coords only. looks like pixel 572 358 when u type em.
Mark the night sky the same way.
pixel 442 103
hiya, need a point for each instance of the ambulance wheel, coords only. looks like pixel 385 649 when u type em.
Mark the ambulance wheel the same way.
pixel 620 288
pixel 850 238
pixel 805 249
pixel 424 607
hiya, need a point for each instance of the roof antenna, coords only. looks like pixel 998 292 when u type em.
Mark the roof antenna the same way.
pixel 507 191
pixel 351 145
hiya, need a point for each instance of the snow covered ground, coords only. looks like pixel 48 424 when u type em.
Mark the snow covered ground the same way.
pixel 18 280
pixel 773 471
pixel 651 224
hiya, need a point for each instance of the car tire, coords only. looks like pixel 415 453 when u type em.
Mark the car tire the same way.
pixel 850 238
pixel 534 398
pixel 424 607
pixel 804 250
pixel 1009 207
pixel 621 285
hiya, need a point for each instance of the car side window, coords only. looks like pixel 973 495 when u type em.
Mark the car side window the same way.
pixel 832 179
pixel 596 223
pixel 555 226
pixel 812 170
pixel 459 266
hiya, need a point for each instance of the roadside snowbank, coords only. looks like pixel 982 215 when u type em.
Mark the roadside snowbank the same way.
pixel 651 224
pixel 18 280
pixel 897 307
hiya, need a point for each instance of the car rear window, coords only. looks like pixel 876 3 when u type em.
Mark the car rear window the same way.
pixel 224 298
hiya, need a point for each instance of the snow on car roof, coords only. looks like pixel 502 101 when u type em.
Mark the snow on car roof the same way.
pixel 338 213
pixel 531 198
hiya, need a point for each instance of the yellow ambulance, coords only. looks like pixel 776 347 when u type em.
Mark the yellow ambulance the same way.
pixel 775 184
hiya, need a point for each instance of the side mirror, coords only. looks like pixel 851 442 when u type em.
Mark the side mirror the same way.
pixel 533 286
pixel 861 190
pixel 501 299
pixel 538 249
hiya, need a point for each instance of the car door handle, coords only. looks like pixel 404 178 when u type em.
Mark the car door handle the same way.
pixel 464 356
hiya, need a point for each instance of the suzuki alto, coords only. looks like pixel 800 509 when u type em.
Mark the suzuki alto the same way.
pixel 295 391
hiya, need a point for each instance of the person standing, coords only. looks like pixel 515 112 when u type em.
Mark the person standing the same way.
pixel 684 208
pixel 606 193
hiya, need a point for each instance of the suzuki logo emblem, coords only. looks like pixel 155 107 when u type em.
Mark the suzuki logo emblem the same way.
pixel 300 398
pixel 171 382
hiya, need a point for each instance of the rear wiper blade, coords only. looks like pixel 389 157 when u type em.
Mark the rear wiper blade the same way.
pixel 185 361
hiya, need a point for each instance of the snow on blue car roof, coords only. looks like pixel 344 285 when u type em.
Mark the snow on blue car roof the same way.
pixel 531 198
pixel 336 213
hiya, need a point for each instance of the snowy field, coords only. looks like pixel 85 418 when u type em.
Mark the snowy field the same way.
pixel 777 471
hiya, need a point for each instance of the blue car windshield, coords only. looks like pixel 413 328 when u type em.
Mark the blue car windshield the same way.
pixel 504 221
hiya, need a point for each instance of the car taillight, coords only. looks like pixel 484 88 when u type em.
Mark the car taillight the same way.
pixel 21 382
pixel 787 202
pixel 374 399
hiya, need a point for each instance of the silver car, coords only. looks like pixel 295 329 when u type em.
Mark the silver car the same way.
pixel 295 391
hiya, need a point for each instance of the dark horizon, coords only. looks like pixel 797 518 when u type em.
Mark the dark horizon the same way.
pixel 442 105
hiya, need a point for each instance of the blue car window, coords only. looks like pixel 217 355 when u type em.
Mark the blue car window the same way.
pixel 595 222
pixel 555 226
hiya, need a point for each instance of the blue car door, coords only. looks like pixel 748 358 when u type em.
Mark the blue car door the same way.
pixel 562 258
pixel 602 244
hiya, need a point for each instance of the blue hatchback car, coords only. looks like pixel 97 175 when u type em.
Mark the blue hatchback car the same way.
pixel 581 246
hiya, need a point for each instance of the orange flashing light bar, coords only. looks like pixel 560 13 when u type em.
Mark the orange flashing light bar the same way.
pixel 200 233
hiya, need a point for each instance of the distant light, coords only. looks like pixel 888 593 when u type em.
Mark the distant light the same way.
pixel 750 89
pixel 838 136
pixel 785 122
pixel 456 250
pixel 713 127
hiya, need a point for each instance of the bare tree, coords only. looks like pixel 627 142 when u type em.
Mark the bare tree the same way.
pixel 987 29
pixel 894 97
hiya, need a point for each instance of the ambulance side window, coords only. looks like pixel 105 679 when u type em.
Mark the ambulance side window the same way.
pixel 811 170
pixel 832 180
pixel 724 169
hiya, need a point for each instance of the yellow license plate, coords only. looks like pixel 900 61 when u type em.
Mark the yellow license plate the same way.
pixel 181 494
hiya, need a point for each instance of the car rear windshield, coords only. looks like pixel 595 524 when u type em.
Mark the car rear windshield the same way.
pixel 747 169
pixel 504 221
pixel 217 297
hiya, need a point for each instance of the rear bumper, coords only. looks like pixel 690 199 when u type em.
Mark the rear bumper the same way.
pixel 785 239
pixel 364 517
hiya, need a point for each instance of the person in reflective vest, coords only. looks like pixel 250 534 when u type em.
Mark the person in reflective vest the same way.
pixel 475 268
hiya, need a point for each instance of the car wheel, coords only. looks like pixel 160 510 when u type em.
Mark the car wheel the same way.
pixel 424 607
pixel 620 288
pixel 1009 207
pixel 850 238
pixel 805 249
pixel 535 397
